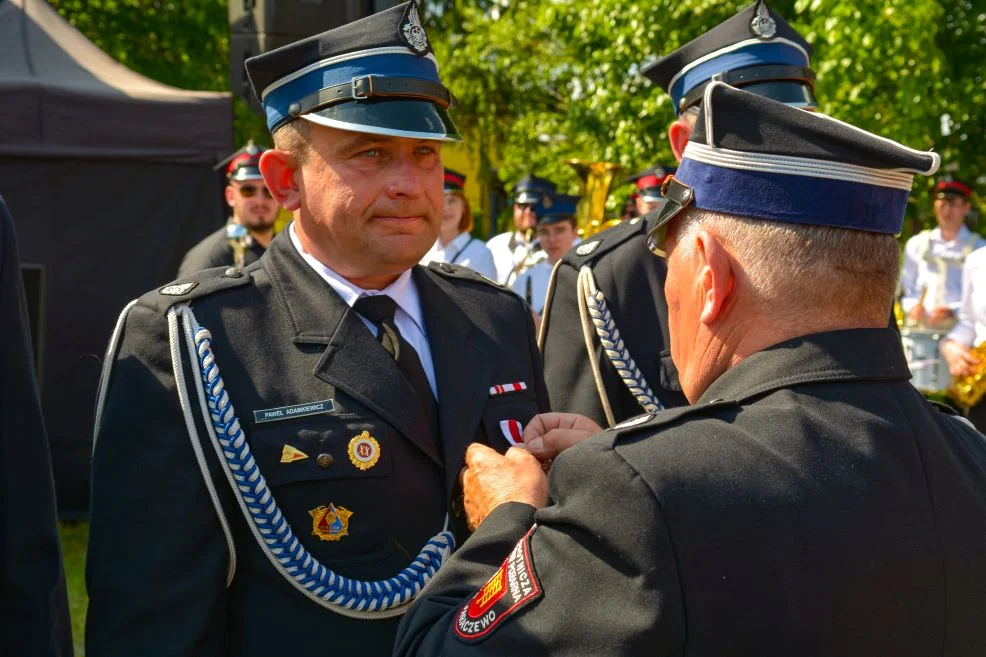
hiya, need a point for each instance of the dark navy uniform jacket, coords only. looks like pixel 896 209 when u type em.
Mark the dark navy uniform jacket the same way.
pixel 158 559
pixel 811 503
pixel 632 280
pixel 215 251
pixel 34 618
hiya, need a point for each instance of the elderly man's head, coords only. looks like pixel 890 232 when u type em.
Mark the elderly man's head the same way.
pixel 778 224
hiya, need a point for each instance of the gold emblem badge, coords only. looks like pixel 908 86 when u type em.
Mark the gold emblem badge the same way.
pixel 330 523
pixel 364 451
pixel 291 454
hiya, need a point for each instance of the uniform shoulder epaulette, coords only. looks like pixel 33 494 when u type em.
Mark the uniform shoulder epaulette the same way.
pixel 196 286
pixel 449 270
pixel 602 243
pixel 651 421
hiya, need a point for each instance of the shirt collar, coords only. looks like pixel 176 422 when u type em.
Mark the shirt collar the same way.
pixel 460 241
pixel 403 291
pixel 960 236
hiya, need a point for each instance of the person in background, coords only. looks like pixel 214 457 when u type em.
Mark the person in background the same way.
pixel 250 228
pixel 34 616
pixel 556 233
pixel 532 197
pixel 648 196
pixel 455 245
pixel 931 280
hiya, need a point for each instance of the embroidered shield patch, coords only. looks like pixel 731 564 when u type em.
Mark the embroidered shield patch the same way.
pixel 514 586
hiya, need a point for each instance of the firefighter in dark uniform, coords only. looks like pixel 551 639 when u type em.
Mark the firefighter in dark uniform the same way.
pixel 809 502
pixel 277 448
pixel 620 293
pixel 250 228
pixel 34 621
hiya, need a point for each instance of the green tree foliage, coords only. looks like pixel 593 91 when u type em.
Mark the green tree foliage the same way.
pixel 543 80
pixel 181 43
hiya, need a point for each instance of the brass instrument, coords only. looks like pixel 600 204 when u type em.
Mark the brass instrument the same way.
pixel 595 180
pixel 968 390
pixel 532 256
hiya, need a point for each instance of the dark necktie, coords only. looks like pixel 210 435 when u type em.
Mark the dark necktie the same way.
pixel 380 310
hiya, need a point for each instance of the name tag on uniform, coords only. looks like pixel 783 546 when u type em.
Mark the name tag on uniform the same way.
pixel 290 412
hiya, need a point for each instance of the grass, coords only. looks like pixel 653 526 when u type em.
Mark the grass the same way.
pixel 75 536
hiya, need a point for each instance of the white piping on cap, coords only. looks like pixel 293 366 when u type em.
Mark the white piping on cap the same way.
pixel 736 46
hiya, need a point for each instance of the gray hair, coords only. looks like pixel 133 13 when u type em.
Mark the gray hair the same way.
pixel 796 269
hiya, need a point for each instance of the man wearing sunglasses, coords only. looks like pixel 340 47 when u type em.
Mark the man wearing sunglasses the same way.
pixel 533 196
pixel 631 369
pixel 250 228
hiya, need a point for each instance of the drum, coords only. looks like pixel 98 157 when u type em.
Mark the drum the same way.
pixel 929 371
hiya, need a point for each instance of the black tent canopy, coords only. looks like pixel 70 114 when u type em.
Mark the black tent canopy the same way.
pixel 108 175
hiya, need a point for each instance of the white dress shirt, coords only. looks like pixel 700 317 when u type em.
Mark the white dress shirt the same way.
pixel 935 265
pixel 408 318
pixel 508 250
pixel 539 275
pixel 464 250
pixel 970 330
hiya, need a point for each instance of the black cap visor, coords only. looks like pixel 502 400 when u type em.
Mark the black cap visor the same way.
pixel 678 196
pixel 415 119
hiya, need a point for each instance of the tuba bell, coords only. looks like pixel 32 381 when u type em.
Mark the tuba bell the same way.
pixel 595 180
pixel 967 391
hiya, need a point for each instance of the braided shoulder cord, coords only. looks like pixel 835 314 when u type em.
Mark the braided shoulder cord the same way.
pixel 343 595
pixel 612 343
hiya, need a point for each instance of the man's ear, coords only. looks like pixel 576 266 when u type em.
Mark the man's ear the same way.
pixel 278 168
pixel 679 133
pixel 717 276
pixel 229 195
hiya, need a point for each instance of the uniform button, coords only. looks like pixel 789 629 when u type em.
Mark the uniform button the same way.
pixel 233 272
pixel 324 460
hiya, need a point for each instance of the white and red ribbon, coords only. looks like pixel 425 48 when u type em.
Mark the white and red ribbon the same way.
pixel 504 388
pixel 512 431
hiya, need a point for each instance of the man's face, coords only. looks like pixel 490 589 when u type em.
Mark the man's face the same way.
pixel 556 239
pixel 524 217
pixel 371 205
pixel 643 207
pixel 252 204
pixel 950 211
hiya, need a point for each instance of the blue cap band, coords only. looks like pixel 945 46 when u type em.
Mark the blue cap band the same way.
pixel 794 199
pixel 279 99
pixel 752 54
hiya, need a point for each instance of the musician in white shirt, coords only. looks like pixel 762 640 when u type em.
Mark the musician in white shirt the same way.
pixel 455 244
pixel 533 197
pixel 970 330
pixel 931 279
pixel 556 233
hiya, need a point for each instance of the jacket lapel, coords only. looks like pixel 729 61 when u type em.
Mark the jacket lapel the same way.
pixel 353 360
pixel 464 360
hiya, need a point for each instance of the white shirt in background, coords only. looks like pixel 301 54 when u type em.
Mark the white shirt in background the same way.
pixel 464 250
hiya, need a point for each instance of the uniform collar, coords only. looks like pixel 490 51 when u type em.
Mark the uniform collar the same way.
pixel 403 290
pixel 849 355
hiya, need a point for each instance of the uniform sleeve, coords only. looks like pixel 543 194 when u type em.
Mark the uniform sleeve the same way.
pixel 909 275
pixel 34 621
pixel 157 561
pixel 601 563
pixel 964 331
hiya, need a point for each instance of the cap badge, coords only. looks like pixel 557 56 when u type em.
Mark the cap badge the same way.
pixel 178 290
pixel 364 451
pixel 413 32
pixel 762 24
pixel 330 523
pixel 291 454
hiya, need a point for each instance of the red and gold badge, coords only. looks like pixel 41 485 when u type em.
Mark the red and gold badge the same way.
pixel 364 451
pixel 330 523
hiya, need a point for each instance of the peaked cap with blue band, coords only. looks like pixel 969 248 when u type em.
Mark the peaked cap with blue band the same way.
pixel 750 156
pixel 563 208
pixel 538 192
pixel 755 49
pixel 376 75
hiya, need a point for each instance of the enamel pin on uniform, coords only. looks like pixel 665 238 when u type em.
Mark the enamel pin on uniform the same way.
pixel 330 523
pixel 364 451
pixel 291 454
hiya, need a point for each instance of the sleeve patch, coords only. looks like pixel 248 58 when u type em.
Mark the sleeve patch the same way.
pixel 514 586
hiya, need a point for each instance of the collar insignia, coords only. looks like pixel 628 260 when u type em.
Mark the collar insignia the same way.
pixel 412 32
pixel 330 523
pixel 587 248
pixel 178 290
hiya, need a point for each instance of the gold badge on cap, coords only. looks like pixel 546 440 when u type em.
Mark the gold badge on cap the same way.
pixel 291 454
pixel 330 523
pixel 364 451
